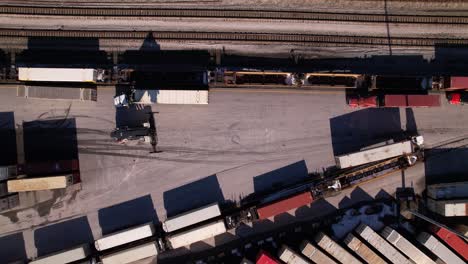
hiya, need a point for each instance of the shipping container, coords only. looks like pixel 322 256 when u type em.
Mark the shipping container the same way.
pixel 288 256
pixel 374 154
pixel 264 257
pixel 395 100
pixel 7 172
pixel 335 250
pixel 452 190
pixel 40 183
pixel 191 217
pixel 448 208
pixel 332 79
pixel 455 242
pixel 52 92
pixel 131 254
pixel 418 100
pixel 66 256
pixel 197 234
pixel 57 74
pixel 370 101
pixel 459 82
pixel 405 246
pixel 315 254
pixel 125 236
pixel 171 96
pixel 362 250
pixel 381 245
pixel 439 249
pixel 9 202
pixel 3 189
pixel 284 205
pixel 49 167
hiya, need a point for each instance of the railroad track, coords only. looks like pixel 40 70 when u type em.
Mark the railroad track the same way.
pixel 227 13
pixel 235 37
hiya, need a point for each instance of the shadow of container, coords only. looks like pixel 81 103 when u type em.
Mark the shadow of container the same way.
pixel 8 155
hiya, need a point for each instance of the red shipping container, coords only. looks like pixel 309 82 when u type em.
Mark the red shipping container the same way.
pixel 395 101
pixel 454 241
pixel 284 205
pixel 370 101
pixel 431 100
pixel 265 258
pixel 459 82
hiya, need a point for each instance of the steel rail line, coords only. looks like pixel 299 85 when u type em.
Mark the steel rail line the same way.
pixel 233 13
pixel 302 39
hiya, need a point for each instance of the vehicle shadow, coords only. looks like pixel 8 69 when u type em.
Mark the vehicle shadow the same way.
pixel 127 214
pixel 193 195
pixel 8 155
pixel 62 236
pixel 46 140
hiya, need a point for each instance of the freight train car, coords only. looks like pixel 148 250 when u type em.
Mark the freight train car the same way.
pixel 125 236
pixel 414 100
pixel 283 205
pixel 196 234
pixel 379 153
pixel 28 74
pixel 288 256
pixel 191 217
pixel 79 253
pixel 257 78
pixel 362 250
pixel 171 96
pixel 334 79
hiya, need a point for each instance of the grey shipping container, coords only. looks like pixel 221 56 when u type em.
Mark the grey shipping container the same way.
pixel 362 250
pixel 405 246
pixel 434 245
pixel 9 202
pixel 448 190
pixel 330 246
pixel 315 254
pixel 290 257
pixel 381 245
pixel 7 172
pixel 52 92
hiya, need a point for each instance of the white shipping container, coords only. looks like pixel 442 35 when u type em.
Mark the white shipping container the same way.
pixel 57 74
pixel 125 236
pixel 335 250
pixel 381 245
pixel 362 250
pixel 192 217
pixel 448 208
pixel 374 154
pixel 65 256
pixel 131 254
pixel 171 96
pixel 197 234
pixel 290 257
pixel 448 190
pixel 40 183
pixel 405 246
pixel 434 245
pixel 314 254
pixel 51 92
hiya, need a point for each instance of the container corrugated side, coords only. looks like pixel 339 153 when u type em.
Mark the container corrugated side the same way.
pixel 131 254
pixel 314 254
pixel 459 82
pixel 125 236
pixel 374 154
pixel 381 245
pixel 56 74
pixel 455 242
pixel 66 256
pixel 284 205
pixel 335 250
pixel 419 100
pixel 448 190
pixel 405 246
pixel 9 202
pixel 439 249
pixel 197 234
pixel 362 250
pixel 395 101
pixel 290 257
pixel 172 96
pixel 191 217
pixel 40 183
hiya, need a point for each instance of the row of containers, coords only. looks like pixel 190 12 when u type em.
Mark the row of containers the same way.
pixel 366 245
pixel 448 199
pixel 192 87
pixel 211 220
